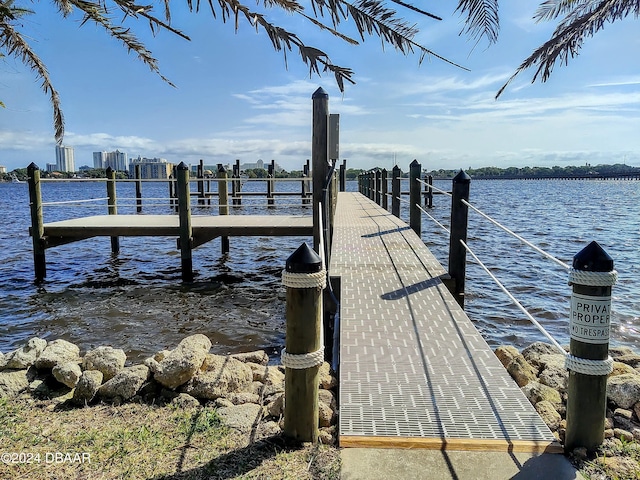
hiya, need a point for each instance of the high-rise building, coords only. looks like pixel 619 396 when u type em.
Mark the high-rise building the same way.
pixel 117 161
pixel 64 159
pixel 151 167
pixel 99 159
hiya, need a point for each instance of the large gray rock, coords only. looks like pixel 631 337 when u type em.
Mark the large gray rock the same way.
pixel 522 371
pixel 326 379
pixel 182 363
pixel 549 414
pixel 506 353
pixel 26 356
pixel 244 417
pixel 555 377
pixel 3 361
pixel 326 406
pixel 67 373
pixel 57 351
pixel 12 382
pixel 126 383
pixel 624 390
pixel 107 360
pixel 537 349
pixel 218 377
pixel 259 356
pixel 87 386
pixel 537 392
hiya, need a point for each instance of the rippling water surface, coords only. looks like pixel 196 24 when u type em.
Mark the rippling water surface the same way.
pixel 135 300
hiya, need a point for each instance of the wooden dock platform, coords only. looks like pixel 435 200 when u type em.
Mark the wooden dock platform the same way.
pixel 203 226
pixel 414 371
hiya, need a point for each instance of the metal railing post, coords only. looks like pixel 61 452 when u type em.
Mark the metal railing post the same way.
pixel 459 219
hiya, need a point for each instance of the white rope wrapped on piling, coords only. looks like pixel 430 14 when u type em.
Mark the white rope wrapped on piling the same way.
pixel 304 280
pixel 592 279
pixel 589 367
pixel 304 360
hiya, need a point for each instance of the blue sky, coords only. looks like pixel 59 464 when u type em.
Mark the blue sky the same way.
pixel 235 98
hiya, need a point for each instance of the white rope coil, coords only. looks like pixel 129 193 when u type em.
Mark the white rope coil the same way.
pixel 302 361
pixel 304 280
pixel 589 367
pixel 592 279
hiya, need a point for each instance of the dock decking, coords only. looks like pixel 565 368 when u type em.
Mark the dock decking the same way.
pixel 414 371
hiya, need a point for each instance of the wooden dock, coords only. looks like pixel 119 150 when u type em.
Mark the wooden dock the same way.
pixel 414 371
pixel 204 227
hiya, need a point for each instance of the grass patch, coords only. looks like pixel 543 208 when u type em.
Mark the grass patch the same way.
pixel 139 441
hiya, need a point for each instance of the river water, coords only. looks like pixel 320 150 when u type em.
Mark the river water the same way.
pixel 136 301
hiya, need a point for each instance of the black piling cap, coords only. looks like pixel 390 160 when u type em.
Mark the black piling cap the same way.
pixel 320 93
pixel 304 260
pixel 182 166
pixel 109 171
pixel 462 177
pixel 593 258
pixel 221 168
pixel 32 166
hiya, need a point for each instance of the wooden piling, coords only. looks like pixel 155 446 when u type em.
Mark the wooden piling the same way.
pixel 236 186
pixel 271 172
pixel 343 176
pixel 415 217
pixel 319 156
pixel 113 206
pixel 303 337
pixel 223 202
pixel 587 393
pixel 184 214
pixel 457 252
pixel 385 189
pixel 37 223
pixel 306 187
pixel 200 175
pixel 395 191
pixel 138 175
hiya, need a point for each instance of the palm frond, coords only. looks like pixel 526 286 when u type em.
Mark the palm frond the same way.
pixel 482 18
pixel 584 21
pixel 15 45
pixel 550 9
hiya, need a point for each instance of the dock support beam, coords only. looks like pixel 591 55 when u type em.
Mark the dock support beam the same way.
pixel 305 278
pixel 319 157
pixel 184 214
pixel 113 205
pixel 457 253
pixel 37 223
pixel 591 278
pixel 415 217
pixel 223 203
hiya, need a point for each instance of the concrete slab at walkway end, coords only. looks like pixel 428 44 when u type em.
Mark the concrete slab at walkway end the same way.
pixel 421 464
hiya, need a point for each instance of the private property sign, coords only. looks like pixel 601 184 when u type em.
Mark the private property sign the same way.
pixel 590 318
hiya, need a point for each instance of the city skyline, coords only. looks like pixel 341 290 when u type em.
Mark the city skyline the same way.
pixel 241 102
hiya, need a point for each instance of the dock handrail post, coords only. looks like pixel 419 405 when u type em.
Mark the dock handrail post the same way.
pixel 395 191
pixel 200 175
pixel 173 190
pixel 235 185
pixel 372 185
pixel 37 223
pixel 378 186
pixel 113 206
pixel 415 217
pixel 319 156
pixel 591 278
pixel 223 202
pixel 343 175
pixel 305 278
pixel 138 175
pixel 429 188
pixel 271 173
pixel 459 219
pixel 305 184
pixel 385 189
pixel 184 214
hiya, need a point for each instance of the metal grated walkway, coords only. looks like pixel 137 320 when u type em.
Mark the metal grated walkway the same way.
pixel 414 371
